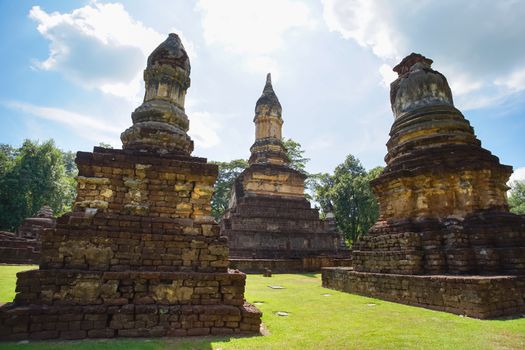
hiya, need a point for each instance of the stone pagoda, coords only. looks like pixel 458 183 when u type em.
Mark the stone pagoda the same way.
pixel 445 238
pixel 23 247
pixel 140 254
pixel 269 222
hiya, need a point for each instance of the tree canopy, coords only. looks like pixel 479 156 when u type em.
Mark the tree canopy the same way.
pixel 34 175
pixel 517 197
pixel 228 172
pixel 296 155
pixel 348 195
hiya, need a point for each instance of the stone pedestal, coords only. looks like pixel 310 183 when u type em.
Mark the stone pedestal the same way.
pixel 445 238
pixel 140 254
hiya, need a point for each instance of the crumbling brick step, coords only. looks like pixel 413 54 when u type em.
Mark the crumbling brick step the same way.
pixel 42 322
pixel 474 296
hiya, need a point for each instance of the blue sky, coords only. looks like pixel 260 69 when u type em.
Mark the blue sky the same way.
pixel 71 70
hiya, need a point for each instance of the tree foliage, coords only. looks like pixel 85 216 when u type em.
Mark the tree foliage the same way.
pixel 32 176
pixel 347 193
pixel 517 197
pixel 296 155
pixel 228 172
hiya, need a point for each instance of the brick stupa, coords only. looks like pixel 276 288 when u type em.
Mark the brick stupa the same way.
pixel 269 222
pixel 140 254
pixel 445 238
pixel 24 246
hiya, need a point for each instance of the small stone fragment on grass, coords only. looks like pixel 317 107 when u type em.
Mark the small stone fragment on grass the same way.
pixel 276 287
pixel 327 295
pixel 371 304
pixel 282 313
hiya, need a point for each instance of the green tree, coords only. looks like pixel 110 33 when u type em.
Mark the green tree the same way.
pixel 228 172
pixel 7 156
pixel 70 166
pixel 34 176
pixel 320 186
pixel 517 197
pixel 347 193
pixel 296 155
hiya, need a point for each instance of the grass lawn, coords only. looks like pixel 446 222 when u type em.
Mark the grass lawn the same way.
pixel 318 321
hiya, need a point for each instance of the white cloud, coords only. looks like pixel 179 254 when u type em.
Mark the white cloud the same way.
pixel 387 74
pixel 99 46
pixel 358 20
pixel 263 65
pixel 204 129
pixel 514 81
pixel 517 175
pixel 86 126
pixel 253 29
pixel 476 44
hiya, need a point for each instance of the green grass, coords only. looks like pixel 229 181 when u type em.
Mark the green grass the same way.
pixel 8 280
pixel 338 321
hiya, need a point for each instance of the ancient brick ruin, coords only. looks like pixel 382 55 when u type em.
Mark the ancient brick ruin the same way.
pixel 140 254
pixel 24 246
pixel 270 223
pixel 445 238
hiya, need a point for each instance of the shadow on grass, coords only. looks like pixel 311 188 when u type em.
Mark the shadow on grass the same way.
pixel 182 343
pixel 312 274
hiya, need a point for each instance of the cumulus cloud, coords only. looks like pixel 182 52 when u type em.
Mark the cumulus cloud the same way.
pixel 254 29
pixel 476 44
pixel 99 46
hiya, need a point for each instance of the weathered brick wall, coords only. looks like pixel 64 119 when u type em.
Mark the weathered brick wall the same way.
pixel 53 287
pixel 111 242
pixel 23 247
pixel 475 296
pixel 16 250
pixel 273 180
pixel 32 228
pixel 120 181
pixel 130 320
pixel 486 242
pixel 278 228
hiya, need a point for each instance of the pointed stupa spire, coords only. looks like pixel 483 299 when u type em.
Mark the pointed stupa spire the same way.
pixel 268 146
pixel 268 102
pixel 268 88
